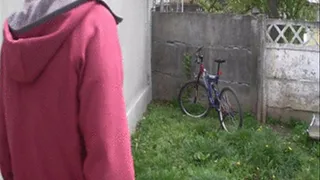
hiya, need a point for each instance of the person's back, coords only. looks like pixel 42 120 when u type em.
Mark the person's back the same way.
pixel 62 111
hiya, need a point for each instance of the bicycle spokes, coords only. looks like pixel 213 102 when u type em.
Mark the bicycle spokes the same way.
pixel 196 94
pixel 229 113
pixel 193 99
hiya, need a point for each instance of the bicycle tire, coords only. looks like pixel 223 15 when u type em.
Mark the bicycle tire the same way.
pixel 182 107
pixel 222 116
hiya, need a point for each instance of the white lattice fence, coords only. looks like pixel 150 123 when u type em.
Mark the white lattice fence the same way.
pixel 292 32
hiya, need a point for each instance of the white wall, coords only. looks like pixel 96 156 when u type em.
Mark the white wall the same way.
pixel 135 39
pixel 293 78
pixel 292 74
pixel 6 8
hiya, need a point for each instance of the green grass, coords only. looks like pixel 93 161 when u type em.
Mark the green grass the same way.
pixel 171 146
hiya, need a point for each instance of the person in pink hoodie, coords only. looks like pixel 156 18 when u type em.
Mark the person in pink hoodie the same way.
pixel 62 110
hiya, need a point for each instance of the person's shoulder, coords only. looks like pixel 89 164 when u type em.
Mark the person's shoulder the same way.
pixel 99 15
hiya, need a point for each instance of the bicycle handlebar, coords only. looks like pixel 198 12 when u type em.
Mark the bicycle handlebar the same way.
pixel 198 50
pixel 198 56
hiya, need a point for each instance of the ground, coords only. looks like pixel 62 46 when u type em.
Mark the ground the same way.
pixel 169 145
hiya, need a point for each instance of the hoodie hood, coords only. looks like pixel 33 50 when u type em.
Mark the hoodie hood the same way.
pixel 36 12
pixel 42 26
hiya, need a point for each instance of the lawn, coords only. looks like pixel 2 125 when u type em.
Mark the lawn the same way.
pixel 171 146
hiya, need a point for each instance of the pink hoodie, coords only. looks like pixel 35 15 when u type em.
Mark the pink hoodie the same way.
pixel 62 111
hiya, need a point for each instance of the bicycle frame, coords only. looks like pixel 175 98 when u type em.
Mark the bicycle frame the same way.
pixel 210 82
pixel 217 99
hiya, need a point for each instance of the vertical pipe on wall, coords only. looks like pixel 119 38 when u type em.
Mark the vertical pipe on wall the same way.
pixel 182 5
pixel 161 5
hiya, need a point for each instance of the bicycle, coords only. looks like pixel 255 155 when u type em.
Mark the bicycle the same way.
pixel 217 99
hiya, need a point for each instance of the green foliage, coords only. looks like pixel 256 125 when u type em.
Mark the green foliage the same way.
pixel 244 6
pixel 187 62
pixel 297 9
pixel 210 5
pixel 169 145
pixel 287 9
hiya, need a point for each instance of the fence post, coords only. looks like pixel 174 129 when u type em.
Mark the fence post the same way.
pixel 161 5
pixel 262 85
pixel 182 5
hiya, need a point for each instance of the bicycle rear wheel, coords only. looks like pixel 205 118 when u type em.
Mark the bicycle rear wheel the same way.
pixel 193 99
pixel 230 112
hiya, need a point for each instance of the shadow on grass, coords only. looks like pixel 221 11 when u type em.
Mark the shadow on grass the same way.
pixel 169 145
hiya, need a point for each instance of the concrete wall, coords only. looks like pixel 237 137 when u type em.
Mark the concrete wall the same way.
pixel 230 37
pixel 292 75
pixel 292 83
pixel 271 79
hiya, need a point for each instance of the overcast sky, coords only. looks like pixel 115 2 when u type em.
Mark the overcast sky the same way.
pixel 314 1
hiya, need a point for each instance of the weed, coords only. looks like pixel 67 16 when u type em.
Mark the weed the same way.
pixel 187 63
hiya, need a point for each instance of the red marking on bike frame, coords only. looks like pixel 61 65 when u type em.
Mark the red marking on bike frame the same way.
pixel 201 68
pixel 220 73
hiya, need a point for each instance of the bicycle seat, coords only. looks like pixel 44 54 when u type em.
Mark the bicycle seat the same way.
pixel 220 61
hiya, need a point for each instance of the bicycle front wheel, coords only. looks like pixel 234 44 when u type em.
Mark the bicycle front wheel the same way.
pixel 193 99
pixel 230 112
